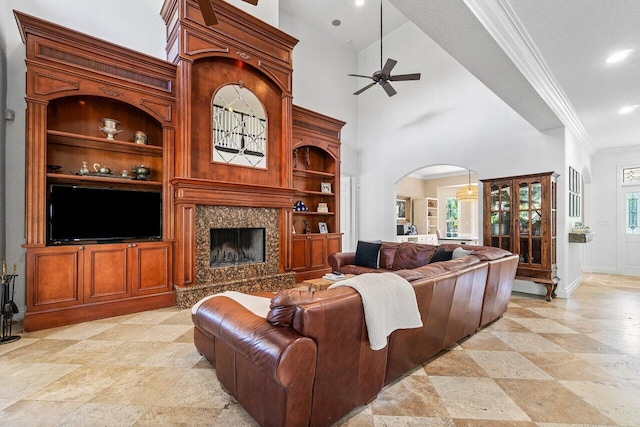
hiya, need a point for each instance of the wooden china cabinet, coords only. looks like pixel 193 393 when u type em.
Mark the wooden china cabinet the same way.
pixel 520 216
pixel 73 81
pixel 316 179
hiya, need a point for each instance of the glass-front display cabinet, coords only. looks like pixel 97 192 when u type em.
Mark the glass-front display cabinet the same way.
pixel 520 216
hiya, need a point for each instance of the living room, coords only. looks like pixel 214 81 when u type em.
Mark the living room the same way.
pixel 444 119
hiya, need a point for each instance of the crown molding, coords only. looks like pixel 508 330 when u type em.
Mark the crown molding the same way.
pixel 502 23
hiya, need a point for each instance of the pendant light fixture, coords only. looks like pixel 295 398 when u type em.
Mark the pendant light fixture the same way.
pixel 468 193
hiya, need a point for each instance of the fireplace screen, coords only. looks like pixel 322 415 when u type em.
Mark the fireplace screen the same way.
pixel 233 246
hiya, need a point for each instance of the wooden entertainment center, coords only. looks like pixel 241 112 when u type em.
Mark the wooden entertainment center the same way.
pixel 74 82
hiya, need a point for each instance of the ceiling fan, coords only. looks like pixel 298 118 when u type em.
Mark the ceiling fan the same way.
pixel 209 14
pixel 383 75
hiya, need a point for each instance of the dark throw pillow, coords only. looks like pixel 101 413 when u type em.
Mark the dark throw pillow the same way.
pixel 367 254
pixel 441 255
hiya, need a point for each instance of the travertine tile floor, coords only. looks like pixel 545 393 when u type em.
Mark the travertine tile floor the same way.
pixel 572 362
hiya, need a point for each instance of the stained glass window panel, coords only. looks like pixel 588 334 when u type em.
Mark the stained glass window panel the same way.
pixel 631 211
pixel 631 175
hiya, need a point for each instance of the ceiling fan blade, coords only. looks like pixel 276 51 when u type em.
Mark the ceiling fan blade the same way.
pixel 207 12
pixel 389 89
pixel 388 66
pixel 401 77
pixel 209 15
pixel 364 88
pixel 360 75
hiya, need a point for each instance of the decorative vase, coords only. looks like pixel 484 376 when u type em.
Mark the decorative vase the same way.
pixel 109 127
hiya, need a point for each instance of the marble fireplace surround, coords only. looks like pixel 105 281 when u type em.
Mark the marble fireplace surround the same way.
pixel 252 277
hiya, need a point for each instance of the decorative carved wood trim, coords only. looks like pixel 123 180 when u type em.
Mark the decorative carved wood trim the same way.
pixel 282 77
pixel 197 44
pixel 74 50
pixel 111 91
pixel 162 110
pixel 206 192
pixel 46 84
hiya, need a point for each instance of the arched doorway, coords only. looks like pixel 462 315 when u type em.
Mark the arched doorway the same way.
pixel 428 209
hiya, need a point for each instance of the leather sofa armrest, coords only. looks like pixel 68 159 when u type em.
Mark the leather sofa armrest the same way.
pixel 281 353
pixel 340 259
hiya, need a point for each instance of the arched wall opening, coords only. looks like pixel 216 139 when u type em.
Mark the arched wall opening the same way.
pixel 428 206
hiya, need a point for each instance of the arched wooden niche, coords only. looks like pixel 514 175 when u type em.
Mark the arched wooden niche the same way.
pixel 239 120
pixel 209 77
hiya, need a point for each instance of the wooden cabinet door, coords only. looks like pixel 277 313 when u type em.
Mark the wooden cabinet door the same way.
pixel 105 272
pixel 150 267
pixel 334 245
pixel 318 251
pixel 54 277
pixel 300 253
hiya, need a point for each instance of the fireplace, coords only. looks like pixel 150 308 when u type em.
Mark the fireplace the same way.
pixel 234 246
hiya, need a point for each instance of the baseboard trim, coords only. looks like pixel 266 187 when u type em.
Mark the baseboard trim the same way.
pixel 527 287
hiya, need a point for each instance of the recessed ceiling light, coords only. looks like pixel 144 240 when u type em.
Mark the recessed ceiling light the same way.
pixel 618 56
pixel 359 2
pixel 336 22
pixel 628 109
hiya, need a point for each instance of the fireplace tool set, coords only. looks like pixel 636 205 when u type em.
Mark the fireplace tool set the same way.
pixel 8 307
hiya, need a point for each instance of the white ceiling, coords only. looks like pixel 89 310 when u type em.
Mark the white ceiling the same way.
pixel 545 58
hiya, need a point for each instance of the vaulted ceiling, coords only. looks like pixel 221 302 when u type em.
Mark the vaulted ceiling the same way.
pixel 545 58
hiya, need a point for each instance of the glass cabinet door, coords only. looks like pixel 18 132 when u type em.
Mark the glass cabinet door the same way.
pixel 500 207
pixel 530 221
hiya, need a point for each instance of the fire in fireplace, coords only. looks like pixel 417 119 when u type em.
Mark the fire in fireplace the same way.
pixel 233 246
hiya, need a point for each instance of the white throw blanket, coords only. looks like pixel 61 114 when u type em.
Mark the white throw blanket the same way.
pixel 389 303
pixel 257 305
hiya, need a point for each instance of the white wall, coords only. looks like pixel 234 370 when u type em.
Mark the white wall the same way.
pixel 601 255
pixel 320 81
pixel 571 256
pixel 448 117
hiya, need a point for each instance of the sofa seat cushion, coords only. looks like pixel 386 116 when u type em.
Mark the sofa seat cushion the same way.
pixel 461 263
pixel 356 269
pixel 485 253
pixel 409 275
pixel 412 255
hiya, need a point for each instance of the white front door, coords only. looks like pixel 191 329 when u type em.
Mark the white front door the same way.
pixel 629 230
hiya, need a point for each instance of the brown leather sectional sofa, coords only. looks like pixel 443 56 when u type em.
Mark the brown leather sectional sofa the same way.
pixel 309 361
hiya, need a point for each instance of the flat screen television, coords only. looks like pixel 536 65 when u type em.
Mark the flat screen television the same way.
pixel 87 214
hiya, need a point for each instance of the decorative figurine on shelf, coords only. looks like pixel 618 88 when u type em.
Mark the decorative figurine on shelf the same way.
pixel 8 307
pixel 142 172
pixel 300 207
pixel 140 137
pixel 307 158
pixel 102 170
pixel 84 170
pixel 109 127
pixel 307 230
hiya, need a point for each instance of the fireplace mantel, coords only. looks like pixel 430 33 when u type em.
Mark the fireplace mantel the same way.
pixel 207 192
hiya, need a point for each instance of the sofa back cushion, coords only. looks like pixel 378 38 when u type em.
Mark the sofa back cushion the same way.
pixel 412 255
pixel 387 254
